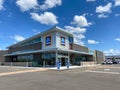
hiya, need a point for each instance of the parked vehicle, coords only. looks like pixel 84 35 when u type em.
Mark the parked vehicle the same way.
pixel 107 63
pixel 115 62
pixel 103 63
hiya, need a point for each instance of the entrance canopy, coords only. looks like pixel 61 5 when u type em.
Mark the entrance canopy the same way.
pixel 48 50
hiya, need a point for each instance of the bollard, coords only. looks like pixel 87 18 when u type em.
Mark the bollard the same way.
pixel 68 64
pixel 58 65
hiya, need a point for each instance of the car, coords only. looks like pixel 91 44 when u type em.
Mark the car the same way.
pixel 103 63
pixel 107 63
pixel 115 62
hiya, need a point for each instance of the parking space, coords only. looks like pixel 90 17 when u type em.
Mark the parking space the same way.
pixel 8 70
pixel 109 69
pixel 73 79
pixel 11 69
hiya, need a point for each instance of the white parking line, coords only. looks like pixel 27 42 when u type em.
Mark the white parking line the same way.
pixel 115 67
pixel 106 69
pixel 105 72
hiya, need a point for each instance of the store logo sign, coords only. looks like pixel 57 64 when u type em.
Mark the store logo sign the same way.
pixel 48 40
pixel 63 41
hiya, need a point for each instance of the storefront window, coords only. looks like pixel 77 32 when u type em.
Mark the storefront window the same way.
pixel 49 59
pixel 24 58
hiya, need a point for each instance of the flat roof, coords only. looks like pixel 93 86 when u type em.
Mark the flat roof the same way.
pixel 56 28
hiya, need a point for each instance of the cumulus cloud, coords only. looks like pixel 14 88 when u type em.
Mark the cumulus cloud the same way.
pixel 1 4
pixel 93 42
pixel 117 2
pixel 78 33
pixel 47 18
pixel 91 0
pixel 79 29
pixel 17 38
pixel 81 21
pixel 103 10
pixel 26 5
pixel 50 4
pixel 117 39
pixel 112 52
pixel 75 30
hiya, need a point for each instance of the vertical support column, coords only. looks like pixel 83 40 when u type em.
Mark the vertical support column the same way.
pixel 56 57
pixel 27 64
pixel 68 61
pixel 44 60
pixel 69 57
pixel 11 63
pixel 58 64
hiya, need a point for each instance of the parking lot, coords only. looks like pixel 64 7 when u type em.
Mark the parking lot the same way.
pixel 106 77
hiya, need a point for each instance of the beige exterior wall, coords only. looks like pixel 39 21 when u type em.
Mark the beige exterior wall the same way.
pixel 79 48
pixel 99 56
pixel 58 41
pixel 55 41
pixel 2 53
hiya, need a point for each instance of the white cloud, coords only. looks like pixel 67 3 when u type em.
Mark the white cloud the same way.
pixel 102 16
pixel 47 18
pixel 104 10
pixel 75 29
pixel 26 5
pixel 93 42
pixel 81 21
pixel 50 4
pixel 17 38
pixel 117 39
pixel 91 0
pixel 117 2
pixel 78 33
pixel 35 31
pixel 1 4
pixel 117 14
pixel 112 52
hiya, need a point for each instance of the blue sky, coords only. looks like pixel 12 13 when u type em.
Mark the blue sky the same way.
pixel 94 23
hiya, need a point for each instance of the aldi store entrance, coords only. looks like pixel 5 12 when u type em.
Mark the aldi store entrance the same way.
pixel 63 60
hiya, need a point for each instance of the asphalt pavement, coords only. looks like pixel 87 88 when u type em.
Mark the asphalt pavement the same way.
pixel 91 78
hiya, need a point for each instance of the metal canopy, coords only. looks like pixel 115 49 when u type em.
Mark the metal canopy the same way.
pixel 49 50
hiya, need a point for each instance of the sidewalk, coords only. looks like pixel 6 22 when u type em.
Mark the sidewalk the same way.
pixel 72 67
pixel 50 68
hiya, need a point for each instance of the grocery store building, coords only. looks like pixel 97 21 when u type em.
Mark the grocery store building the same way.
pixel 49 47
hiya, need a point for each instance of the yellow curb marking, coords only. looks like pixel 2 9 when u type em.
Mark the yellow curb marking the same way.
pixel 19 72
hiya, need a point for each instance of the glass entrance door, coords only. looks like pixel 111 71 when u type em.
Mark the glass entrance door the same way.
pixel 63 61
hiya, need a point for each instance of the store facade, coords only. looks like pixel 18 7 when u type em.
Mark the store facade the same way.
pixel 48 48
